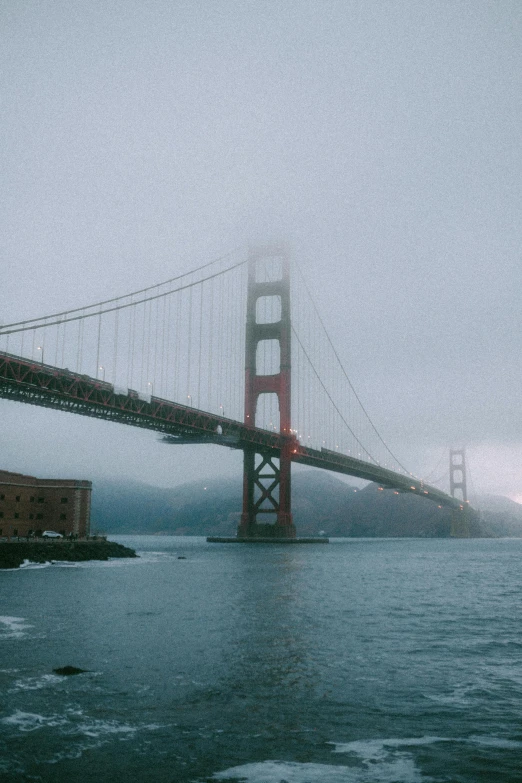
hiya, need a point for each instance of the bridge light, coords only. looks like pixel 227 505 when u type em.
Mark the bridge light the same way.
pixel 40 348
pixel 412 487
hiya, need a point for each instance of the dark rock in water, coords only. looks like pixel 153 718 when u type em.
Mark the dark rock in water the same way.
pixel 181 557
pixel 13 553
pixel 66 671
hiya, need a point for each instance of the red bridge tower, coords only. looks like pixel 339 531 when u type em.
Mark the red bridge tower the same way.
pixel 266 479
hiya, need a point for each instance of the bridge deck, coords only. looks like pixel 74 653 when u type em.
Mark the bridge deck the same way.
pixel 23 380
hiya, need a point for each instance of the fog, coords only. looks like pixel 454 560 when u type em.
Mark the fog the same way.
pixel 380 140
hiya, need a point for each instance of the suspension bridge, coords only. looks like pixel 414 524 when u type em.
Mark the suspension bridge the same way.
pixel 233 353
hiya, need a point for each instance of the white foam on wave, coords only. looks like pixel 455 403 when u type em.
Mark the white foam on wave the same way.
pixel 13 627
pixel 387 760
pixel 36 683
pixel 372 750
pixel 74 722
pixel 102 728
pixel 30 721
pixel 399 769
pixel 29 565
pixel 496 742
pixel 287 771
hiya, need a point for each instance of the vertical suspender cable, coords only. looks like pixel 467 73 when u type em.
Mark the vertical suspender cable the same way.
pixel 98 344
pixel 200 340
pixel 189 396
pixel 80 347
pixel 56 342
pixel 115 359
pixel 132 343
pixel 155 346
pixel 177 346
pixel 210 345
pixel 63 344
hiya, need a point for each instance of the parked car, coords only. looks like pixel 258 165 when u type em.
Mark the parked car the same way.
pixel 51 534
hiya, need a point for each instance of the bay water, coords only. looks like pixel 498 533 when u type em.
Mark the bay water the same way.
pixel 359 661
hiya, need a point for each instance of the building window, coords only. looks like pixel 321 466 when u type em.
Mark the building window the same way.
pixel 17 498
pixel 15 531
pixel 1 514
pixel 17 515
pixel 63 516
pixel 40 500
pixel 31 499
pixel 39 516
pixel 64 500
pixel 2 497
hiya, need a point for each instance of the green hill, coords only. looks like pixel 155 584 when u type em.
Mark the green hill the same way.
pixel 321 502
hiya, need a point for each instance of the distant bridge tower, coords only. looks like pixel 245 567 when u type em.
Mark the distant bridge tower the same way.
pixel 458 489
pixel 266 479
pixel 458 474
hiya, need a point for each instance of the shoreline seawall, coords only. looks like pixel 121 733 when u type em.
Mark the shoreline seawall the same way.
pixel 14 553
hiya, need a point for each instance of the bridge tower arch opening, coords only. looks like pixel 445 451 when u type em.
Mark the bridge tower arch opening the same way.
pixel 267 478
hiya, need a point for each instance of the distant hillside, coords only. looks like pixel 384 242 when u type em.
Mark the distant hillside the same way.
pixel 321 502
pixel 500 516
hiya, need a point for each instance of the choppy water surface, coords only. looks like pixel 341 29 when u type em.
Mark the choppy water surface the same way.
pixel 362 661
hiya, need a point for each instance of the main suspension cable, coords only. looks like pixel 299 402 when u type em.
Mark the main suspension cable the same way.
pixel 330 397
pixel 123 296
pixel 346 375
pixel 6 330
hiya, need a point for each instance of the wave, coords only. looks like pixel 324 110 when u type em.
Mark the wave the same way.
pixel 13 627
pixel 293 772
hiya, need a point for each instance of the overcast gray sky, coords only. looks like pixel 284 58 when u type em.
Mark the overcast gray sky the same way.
pixel 381 139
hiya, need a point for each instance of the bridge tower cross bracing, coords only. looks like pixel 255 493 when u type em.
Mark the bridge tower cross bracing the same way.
pixel 267 479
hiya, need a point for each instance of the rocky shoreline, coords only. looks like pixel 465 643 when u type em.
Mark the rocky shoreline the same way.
pixel 14 553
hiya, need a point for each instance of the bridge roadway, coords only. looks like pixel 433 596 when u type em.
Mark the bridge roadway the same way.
pixel 23 380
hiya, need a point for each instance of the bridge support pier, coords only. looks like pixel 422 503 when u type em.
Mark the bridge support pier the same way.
pixel 267 479
pixel 460 523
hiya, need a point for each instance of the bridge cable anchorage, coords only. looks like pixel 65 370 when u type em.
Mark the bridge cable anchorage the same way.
pixel 7 330
pixel 330 342
pixel 125 296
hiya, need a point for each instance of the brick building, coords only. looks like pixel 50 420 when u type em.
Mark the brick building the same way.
pixel 29 504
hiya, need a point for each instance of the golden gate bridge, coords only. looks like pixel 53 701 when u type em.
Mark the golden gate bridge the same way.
pixel 233 353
